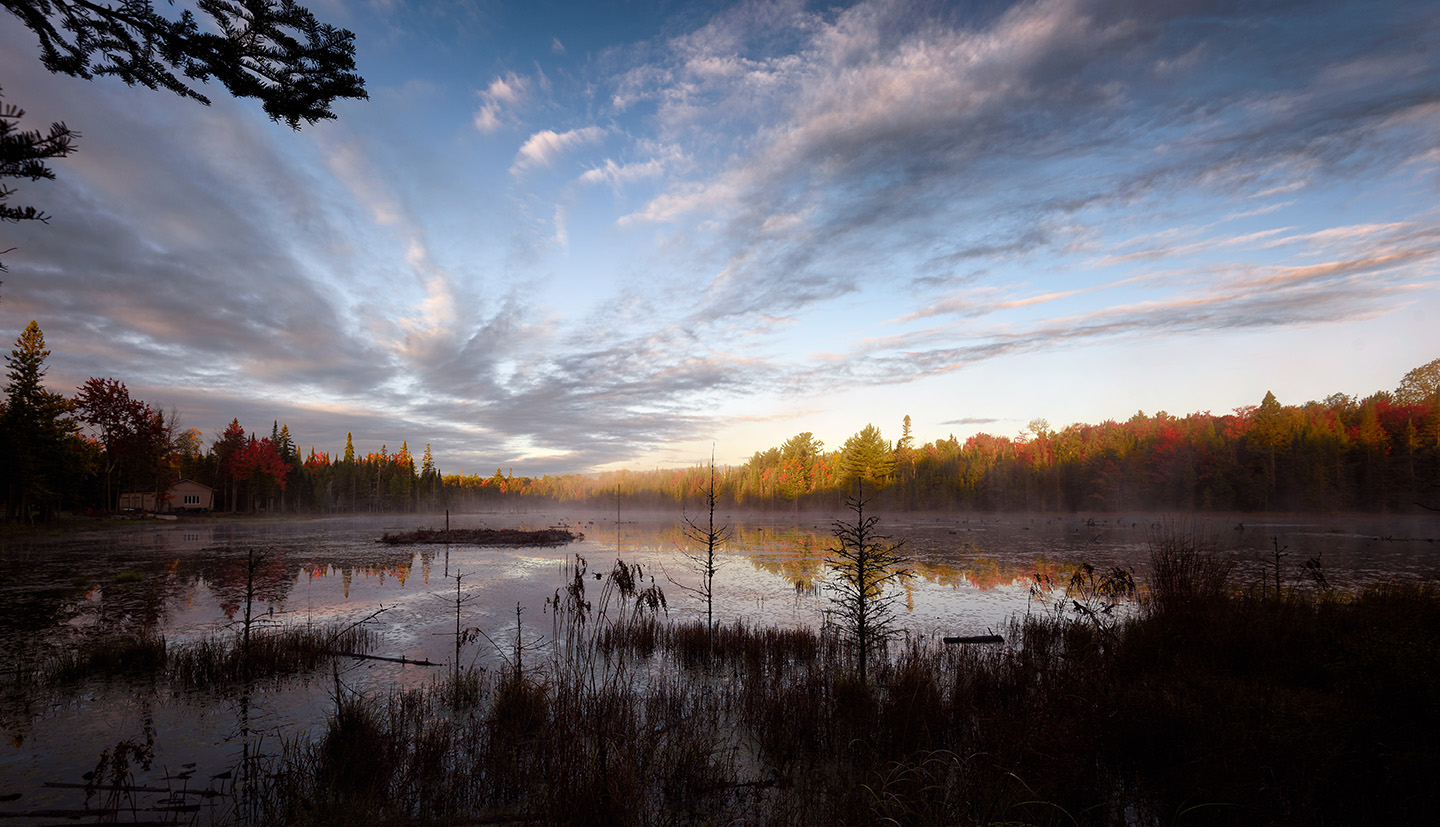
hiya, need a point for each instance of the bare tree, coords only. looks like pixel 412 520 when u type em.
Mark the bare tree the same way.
pixel 866 564
pixel 704 558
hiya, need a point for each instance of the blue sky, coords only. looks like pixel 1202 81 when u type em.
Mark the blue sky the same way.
pixel 578 236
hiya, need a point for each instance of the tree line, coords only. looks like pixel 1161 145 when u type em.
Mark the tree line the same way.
pixel 81 452
pixel 1379 453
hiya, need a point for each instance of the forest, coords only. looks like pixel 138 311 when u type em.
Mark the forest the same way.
pixel 77 453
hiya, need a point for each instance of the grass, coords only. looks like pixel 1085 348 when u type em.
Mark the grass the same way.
pixel 215 661
pixel 1209 704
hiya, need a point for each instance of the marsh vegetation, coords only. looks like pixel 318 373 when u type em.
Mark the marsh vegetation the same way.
pixel 1199 693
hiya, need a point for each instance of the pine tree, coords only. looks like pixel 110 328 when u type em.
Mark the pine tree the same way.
pixel 277 53
pixel 429 478
pixel 227 452
pixel 867 456
pixel 34 431
pixel 23 155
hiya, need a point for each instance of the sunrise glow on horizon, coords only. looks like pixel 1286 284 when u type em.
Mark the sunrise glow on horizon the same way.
pixel 572 237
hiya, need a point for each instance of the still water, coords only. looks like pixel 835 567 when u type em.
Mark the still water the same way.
pixel 187 579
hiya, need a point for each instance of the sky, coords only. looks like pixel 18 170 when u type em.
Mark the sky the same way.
pixel 573 237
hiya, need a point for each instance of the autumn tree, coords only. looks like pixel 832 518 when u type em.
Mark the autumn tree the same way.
pixel 131 431
pixel 260 465
pixel 1420 385
pixel 1374 445
pixel 1268 431
pixel 187 444
pixel 798 457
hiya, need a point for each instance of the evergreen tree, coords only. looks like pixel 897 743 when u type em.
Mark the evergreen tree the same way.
pixel 35 430
pixel 430 483
pixel 227 453
pixel 23 155
pixel 277 53
pixel 867 456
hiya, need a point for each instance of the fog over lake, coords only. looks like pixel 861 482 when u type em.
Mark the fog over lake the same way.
pixel 973 573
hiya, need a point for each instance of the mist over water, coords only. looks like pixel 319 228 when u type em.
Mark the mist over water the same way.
pixel 973 573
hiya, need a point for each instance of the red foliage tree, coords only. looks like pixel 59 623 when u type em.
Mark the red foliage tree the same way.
pixel 133 433
pixel 260 465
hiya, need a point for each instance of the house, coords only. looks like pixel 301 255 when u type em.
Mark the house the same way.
pixel 183 495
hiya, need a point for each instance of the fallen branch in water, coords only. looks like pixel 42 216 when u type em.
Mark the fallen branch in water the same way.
pixel 974 639
pixel 402 659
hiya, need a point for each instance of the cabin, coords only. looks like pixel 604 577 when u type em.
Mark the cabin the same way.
pixel 183 495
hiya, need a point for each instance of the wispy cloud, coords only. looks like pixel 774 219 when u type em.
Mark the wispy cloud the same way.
pixel 800 199
pixel 504 92
pixel 618 175
pixel 885 112
pixel 544 147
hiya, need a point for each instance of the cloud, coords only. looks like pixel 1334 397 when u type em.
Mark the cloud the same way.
pixel 562 234
pixel 542 148
pixel 863 195
pixel 972 420
pixel 505 91
pixel 617 175
pixel 1285 296
pixel 896 126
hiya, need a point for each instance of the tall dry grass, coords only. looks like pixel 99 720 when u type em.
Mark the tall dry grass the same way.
pixel 1205 703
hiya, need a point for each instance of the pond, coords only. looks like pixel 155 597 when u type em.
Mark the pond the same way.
pixel 187 579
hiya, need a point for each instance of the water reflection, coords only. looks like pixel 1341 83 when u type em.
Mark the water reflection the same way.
pixel 190 579
pixel 972 574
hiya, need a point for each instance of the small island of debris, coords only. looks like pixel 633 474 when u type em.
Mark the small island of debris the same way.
pixel 484 537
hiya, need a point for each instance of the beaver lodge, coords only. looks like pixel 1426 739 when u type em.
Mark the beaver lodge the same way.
pixel 484 537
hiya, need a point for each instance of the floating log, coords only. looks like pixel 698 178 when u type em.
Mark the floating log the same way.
pixel 975 639
pixel 483 537
pixel 401 659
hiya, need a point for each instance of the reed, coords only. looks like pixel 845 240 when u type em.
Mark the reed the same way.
pixel 1202 704
pixel 214 661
